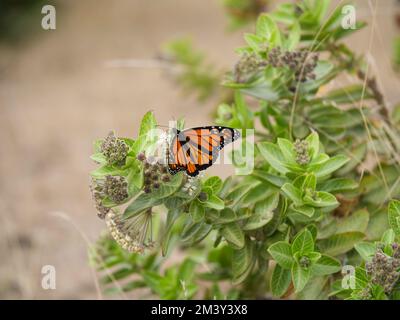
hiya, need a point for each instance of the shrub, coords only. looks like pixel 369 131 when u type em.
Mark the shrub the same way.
pixel 326 166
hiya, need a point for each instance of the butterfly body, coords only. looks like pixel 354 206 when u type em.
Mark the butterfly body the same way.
pixel 195 149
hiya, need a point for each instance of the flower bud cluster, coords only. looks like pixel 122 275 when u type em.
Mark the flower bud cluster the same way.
pixel 301 149
pixel 383 269
pixel 113 187
pixel 114 150
pixel 301 63
pixel 155 173
pixel 247 67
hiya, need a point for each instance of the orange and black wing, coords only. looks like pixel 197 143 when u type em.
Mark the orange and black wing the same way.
pixel 196 149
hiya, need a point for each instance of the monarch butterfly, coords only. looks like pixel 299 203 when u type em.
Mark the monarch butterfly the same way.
pixel 196 149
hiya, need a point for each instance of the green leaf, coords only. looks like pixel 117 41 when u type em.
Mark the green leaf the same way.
pixel 280 281
pixel 194 232
pixel 257 221
pixel 323 199
pixel 186 270
pixel 294 37
pixel 263 212
pixel 108 170
pixel 329 166
pixel 148 123
pixel 259 192
pixel 300 277
pixel 303 243
pixel 315 289
pixel 197 211
pixel 326 265
pixel 314 256
pixel 366 250
pixel 142 202
pixel 320 9
pixel 226 215
pixel 324 72
pixel 153 280
pixel 172 216
pixel 304 210
pixel 263 89
pixel 349 94
pixel 233 234
pixel 214 202
pixel 265 207
pixel 338 185
pixel 388 237
pixel 339 243
pixel 275 180
pixel 282 254
pixel 253 41
pixel 287 150
pixel 99 158
pixel 267 28
pixel 378 223
pixel 273 155
pixel 357 221
pixel 293 193
pixel 284 13
pixel 215 183
pixel 168 188
pixel 147 134
pixel 242 262
pixel 394 216
pixel 313 230
pixel 361 278
pixel 239 191
pixel 310 182
pixel 313 145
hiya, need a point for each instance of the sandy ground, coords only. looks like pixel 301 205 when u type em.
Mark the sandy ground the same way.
pixel 56 97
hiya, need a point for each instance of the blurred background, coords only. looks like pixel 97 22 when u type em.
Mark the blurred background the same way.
pixel 61 89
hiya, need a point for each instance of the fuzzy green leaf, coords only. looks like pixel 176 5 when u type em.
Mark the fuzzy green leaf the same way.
pixel 329 166
pixel 293 193
pixel 215 183
pixel 366 250
pixel 287 150
pixel 300 276
pixel 280 281
pixel 394 216
pixel 326 265
pixel 233 234
pixel 388 237
pixel 303 243
pixel 357 221
pixel 197 211
pixel 215 203
pixel 242 262
pixel 282 254
pixel 339 243
pixel 273 155
pixel 313 145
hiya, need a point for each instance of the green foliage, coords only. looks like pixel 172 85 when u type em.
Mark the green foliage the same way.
pixel 243 12
pixel 378 278
pixel 303 262
pixel 314 201
pixel 396 53
pixel 190 69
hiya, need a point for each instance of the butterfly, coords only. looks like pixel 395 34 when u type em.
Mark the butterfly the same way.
pixel 195 149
